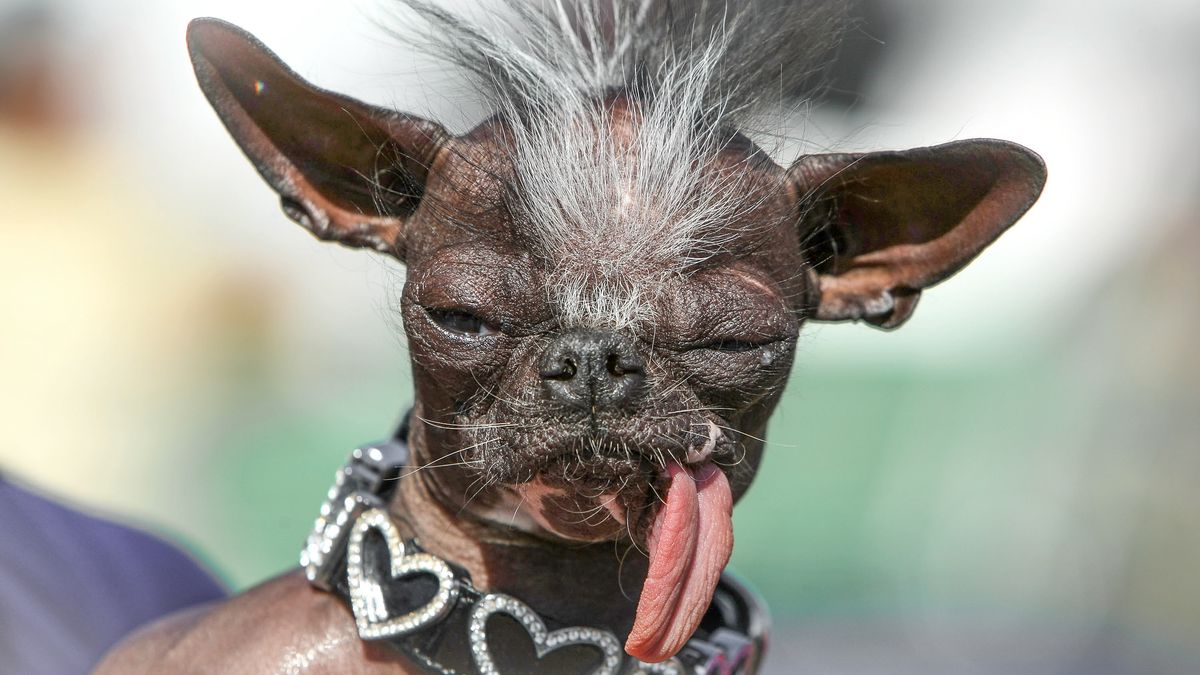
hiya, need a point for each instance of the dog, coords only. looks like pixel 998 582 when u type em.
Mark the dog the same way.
pixel 605 283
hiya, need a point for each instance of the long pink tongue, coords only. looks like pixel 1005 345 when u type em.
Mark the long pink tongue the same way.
pixel 690 542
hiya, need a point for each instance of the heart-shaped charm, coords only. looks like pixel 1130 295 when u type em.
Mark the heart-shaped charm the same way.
pixel 544 642
pixel 366 592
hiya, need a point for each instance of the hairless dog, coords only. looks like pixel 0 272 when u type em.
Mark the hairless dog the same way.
pixel 605 282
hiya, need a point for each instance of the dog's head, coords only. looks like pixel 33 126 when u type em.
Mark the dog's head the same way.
pixel 600 306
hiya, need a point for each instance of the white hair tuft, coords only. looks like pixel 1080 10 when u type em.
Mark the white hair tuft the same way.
pixel 614 109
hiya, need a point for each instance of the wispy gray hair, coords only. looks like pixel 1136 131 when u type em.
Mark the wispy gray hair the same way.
pixel 601 196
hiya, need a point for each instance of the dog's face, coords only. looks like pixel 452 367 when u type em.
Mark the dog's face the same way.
pixel 560 372
pixel 603 296
pixel 563 383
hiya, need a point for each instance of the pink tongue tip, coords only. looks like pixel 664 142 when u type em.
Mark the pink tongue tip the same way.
pixel 690 543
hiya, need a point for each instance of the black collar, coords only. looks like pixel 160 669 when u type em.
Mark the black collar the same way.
pixel 428 609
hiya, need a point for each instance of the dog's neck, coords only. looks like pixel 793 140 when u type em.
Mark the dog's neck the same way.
pixel 576 584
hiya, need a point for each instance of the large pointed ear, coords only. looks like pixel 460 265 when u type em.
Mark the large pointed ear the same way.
pixel 347 171
pixel 880 227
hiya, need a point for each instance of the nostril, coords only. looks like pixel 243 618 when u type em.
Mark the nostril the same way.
pixel 561 369
pixel 618 367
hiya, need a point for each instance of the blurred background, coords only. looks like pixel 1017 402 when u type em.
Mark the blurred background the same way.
pixel 1006 485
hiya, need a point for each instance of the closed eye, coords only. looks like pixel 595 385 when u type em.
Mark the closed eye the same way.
pixel 461 321
pixel 734 345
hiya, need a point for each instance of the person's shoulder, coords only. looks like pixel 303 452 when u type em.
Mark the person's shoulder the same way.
pixel 283 625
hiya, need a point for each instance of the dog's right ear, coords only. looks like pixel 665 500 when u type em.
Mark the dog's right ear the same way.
pixel 347 171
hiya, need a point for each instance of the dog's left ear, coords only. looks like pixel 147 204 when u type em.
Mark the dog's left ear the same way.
pixel 347 171
pixel 880 227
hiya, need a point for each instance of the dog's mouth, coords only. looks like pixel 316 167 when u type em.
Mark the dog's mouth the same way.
pixel 676 506
pixel 584 486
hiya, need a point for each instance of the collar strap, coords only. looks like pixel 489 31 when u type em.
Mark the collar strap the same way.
pixel 428 609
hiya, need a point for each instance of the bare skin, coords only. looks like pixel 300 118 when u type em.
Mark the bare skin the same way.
pixel 284 625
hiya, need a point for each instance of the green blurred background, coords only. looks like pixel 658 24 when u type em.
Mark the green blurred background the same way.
pixel 1008 484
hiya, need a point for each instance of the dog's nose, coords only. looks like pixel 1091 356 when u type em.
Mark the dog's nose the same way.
pixel 596 370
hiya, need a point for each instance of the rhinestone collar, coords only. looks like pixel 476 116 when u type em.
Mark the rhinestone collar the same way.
pixel 356 552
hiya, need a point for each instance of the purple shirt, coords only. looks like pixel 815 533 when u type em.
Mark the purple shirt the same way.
pixel 72 585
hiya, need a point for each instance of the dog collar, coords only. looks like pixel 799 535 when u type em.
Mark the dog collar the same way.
pixel 428 609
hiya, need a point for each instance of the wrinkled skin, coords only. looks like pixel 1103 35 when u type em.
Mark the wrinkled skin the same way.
pixel 716 354
pixel 534 494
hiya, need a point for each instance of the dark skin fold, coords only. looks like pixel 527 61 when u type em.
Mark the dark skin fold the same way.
pixel 535 497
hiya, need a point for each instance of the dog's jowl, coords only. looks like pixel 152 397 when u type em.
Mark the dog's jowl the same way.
pixel 606 280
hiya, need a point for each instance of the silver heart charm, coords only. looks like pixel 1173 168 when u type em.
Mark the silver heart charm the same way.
pixel 543 642
pixel 366 592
